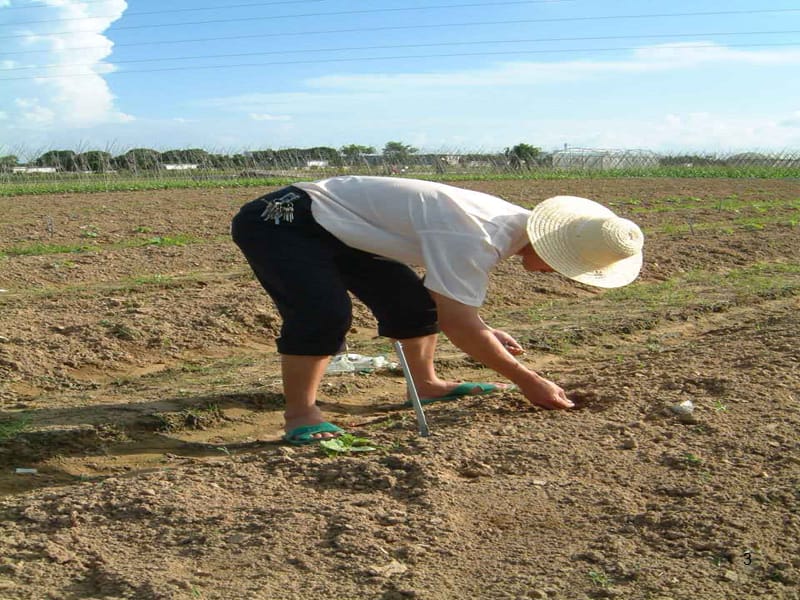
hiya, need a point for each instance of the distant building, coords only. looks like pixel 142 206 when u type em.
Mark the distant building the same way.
pixel 316 164
pixel 34 170
pixel 589 158
pixel 180 167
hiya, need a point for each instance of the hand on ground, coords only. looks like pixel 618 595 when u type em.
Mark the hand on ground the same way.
pixel 543 392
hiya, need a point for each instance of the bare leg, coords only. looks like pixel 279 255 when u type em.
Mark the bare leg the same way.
pixel 419 354
pixel 301 378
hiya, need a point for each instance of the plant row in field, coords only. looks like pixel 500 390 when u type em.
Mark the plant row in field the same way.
pixel 105 182
pixel 729 226
pixel 42 249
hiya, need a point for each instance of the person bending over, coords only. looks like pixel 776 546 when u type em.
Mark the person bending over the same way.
pixel 312 242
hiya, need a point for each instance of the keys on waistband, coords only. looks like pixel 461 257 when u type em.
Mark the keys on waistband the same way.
pixel 281 209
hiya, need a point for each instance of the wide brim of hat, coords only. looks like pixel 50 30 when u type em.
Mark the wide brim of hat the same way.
pixel 551 232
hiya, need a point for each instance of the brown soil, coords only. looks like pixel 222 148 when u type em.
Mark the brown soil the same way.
pixel 139 379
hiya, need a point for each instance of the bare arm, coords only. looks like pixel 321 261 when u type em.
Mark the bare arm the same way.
pixel 464 327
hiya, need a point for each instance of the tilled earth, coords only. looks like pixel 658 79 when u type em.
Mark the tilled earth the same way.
pixel 138 379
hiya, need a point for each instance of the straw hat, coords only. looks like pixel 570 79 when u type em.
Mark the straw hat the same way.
pixel 586 241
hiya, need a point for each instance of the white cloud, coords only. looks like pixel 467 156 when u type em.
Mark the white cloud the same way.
pixel 656 97
pixel 33 112
pixel 792 120
pixel 63 81
pixel 268 117
pixel 673 132
pixel 361 93
pixel 662 57
pixel 430 109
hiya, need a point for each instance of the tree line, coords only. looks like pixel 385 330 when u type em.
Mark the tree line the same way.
pixel 146 159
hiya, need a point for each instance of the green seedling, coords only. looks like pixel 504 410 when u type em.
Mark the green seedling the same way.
pixel 600 579
pixel 346 443
pixel 89 231
pixel 693 459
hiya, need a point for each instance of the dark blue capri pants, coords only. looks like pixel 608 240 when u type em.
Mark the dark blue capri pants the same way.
pixel 308 273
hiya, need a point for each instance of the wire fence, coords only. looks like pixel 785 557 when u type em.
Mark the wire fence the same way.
pixel 107 171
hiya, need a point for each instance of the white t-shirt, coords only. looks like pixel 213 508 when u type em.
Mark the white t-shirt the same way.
pixel 457 235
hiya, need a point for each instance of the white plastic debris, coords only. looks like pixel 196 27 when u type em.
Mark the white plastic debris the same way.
pixel 358 363
pixel 23 471
pixel 684 409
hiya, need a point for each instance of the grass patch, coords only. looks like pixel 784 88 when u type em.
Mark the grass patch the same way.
pixel 753 223
pixel 163 240
pixel 12 427
pixel 131 285
pixel 40 249
pixel 757 280
pixel 155 280
pixel 101 183
pixel 563 326
pixel 727 204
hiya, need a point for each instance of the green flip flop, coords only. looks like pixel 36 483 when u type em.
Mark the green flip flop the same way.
pixel 301 436
pixel 464 389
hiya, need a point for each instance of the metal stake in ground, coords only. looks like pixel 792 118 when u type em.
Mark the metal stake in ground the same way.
pixel 412 392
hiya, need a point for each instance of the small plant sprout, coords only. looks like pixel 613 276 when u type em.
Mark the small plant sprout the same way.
pixel 693 459
pixel 600 579
pixel 720 406
pixel 89 231
pixel 347 443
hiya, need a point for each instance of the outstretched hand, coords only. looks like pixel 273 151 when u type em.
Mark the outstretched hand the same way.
pixel 543 392
pixel 509 343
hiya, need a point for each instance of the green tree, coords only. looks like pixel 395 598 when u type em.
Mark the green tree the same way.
pixel 352 153
pixel 322 153
pixel 192 156
pixel 223 161
pixel 398 152
pixel 94 160
pixel 523 155
pixel 237 160
pixel 139 159
pixel 60 159
pixel 8 162
pixel 261 158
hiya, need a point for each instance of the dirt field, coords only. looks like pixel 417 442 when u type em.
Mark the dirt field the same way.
pixel 139 378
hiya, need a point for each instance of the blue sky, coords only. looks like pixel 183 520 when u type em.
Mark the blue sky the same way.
pixel 442 75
